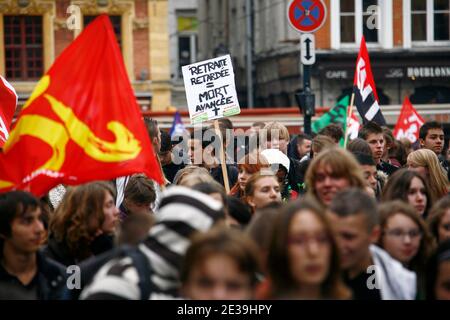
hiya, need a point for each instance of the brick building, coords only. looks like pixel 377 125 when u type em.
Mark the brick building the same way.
pixel 34 32
pixel 409 51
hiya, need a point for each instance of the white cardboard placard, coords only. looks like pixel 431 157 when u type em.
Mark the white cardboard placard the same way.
pixel 210 89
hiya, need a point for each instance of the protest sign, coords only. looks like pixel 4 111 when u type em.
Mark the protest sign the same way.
pixel 210 89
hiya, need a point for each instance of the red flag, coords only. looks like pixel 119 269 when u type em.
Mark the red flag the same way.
pixel 408 123
pixel 352 123
pixel 81 123
pixel 8 104
pixel 366 97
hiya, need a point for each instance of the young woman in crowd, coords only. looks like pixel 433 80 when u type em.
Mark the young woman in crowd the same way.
pixel 439 220
pixel 191 175
pixel 427 164
pixel 438 274
pixel 331 171
pixel 397 154
pixel 411 187
pixel 252 163
pixel 84 224
pixel 404 235
pixel 262 189
pixel 303 259
pixel 220 264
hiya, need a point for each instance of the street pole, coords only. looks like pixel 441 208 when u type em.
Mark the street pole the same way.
pixel 249 49
pixel 306 17
pixel 305 99
pixel 307 90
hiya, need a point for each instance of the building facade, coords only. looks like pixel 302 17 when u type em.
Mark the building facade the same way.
pixel 408 43
pixel 183 40
pixel 34 32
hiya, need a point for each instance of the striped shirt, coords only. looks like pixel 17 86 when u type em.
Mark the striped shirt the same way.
pixel 181 213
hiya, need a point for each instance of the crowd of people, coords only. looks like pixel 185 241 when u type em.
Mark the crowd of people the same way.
pixel 293 218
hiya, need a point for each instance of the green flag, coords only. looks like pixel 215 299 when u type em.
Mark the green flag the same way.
pixel 336 115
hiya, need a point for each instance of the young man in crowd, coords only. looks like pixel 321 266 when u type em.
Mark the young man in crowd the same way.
pixel 278 138
pixel 300 146
pixel 25 273
pixel 368 270
pixel 139 196
pixel 303 145
pixel 369 170
pixel 431 136
pixel 201 152
pixel 334 131
pixel 167 156
pixel 373 134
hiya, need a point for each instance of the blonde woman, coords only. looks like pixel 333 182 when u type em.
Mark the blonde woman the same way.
pixel 425 162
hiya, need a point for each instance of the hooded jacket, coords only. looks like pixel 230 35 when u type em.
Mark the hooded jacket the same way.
pixel 182 212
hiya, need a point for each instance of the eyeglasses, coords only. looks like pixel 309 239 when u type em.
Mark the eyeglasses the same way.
pixel 400 234
pixel 303 240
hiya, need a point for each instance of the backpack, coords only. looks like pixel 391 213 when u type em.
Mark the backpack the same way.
pixel 91 266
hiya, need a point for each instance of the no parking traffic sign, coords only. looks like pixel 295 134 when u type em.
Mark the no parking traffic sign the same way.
pixel 307 15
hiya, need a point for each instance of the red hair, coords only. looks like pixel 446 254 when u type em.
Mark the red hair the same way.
pixel 252 163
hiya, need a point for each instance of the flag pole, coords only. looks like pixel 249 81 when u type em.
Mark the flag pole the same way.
pixel 349 111
pixel 222 158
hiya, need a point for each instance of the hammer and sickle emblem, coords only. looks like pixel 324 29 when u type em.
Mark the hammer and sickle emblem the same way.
pixel 57 134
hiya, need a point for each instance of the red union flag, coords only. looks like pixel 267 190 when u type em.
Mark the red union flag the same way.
pixel 408 123
pixel 8 103
pixel 366 97
pixel 81 123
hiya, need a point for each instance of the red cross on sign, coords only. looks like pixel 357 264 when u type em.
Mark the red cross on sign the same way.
pixel 307 15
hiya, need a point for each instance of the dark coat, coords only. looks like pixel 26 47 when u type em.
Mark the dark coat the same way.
pixel 59 252
pixel 50 281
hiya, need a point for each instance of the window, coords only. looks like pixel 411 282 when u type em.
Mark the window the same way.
pixel 23 47
pixel 419 20
pixel 370 31
pixel 441 24
pixel 348 21
pixel 116 22
pixel 351 19
pixel 187 41
pixel 429 22
pixel 354 18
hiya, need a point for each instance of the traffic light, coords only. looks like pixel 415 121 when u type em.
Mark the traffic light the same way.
pixel 306 102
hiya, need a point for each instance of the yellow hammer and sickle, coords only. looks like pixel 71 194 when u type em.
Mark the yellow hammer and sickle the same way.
pixel 124 147
pixel 5 184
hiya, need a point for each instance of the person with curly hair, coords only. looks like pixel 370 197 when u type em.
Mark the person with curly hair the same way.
pixel 84 224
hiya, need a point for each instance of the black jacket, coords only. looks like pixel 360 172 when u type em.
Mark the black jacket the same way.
pixel 296 176
pixel 59 252
pixel 49 282
pixel 386 168
pixel 232 171
pixel 444 163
